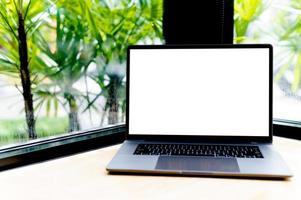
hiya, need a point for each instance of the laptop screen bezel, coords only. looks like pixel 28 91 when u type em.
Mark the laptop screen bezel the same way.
pixel 203 138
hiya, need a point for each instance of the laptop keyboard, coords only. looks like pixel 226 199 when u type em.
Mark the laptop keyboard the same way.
pixel 229 151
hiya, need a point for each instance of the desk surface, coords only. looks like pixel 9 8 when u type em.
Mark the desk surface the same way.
pixel 83 176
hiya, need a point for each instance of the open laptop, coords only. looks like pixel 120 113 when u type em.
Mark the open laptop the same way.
pixel 200 110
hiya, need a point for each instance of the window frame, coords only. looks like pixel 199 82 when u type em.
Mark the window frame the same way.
pixel 287 129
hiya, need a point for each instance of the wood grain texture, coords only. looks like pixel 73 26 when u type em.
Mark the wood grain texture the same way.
pixel 83 176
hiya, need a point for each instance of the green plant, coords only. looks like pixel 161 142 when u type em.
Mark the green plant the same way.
pixel 68 42
pixel 115 27
pixel 18 22
pixel 288 32
pixel 246 11
pixel 66 64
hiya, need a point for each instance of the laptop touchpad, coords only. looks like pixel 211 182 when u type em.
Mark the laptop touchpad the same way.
pixel 197 164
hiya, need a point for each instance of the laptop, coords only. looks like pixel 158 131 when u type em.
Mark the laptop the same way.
pixel 202 110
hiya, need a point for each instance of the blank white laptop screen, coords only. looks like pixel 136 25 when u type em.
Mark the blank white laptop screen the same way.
pixel 210 92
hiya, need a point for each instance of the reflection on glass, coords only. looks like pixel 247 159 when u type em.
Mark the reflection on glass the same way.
pixel 62 63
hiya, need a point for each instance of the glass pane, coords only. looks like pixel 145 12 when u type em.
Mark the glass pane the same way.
pixel 62 63
pixel 277 22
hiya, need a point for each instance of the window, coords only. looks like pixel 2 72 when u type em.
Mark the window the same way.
pixel 62 63
pixel 277 22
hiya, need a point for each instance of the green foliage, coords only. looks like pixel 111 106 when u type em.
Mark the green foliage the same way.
pixel 74 40
pixel 288 31
pixel 19 20
pixel 13 131
pixel 246 11
pixel 72 55
pixel 99 33
pixel 285 29
pixel 34 16
pixel 116 27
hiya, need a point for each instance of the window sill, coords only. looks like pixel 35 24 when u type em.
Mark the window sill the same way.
pixel 287 129
pixel 68 144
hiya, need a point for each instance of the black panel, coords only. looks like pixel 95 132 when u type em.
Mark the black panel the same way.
pixel 198 22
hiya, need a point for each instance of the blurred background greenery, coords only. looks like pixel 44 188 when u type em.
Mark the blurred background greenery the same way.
pixel 277 22
pixel 65 62
pixel 14 130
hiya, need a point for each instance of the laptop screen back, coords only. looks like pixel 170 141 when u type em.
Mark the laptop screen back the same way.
pixel 199 91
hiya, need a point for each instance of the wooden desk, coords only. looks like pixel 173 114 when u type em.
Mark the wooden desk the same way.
pixel 83 176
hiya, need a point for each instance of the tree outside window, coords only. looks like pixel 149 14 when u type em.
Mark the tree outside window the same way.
pixel 62 62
